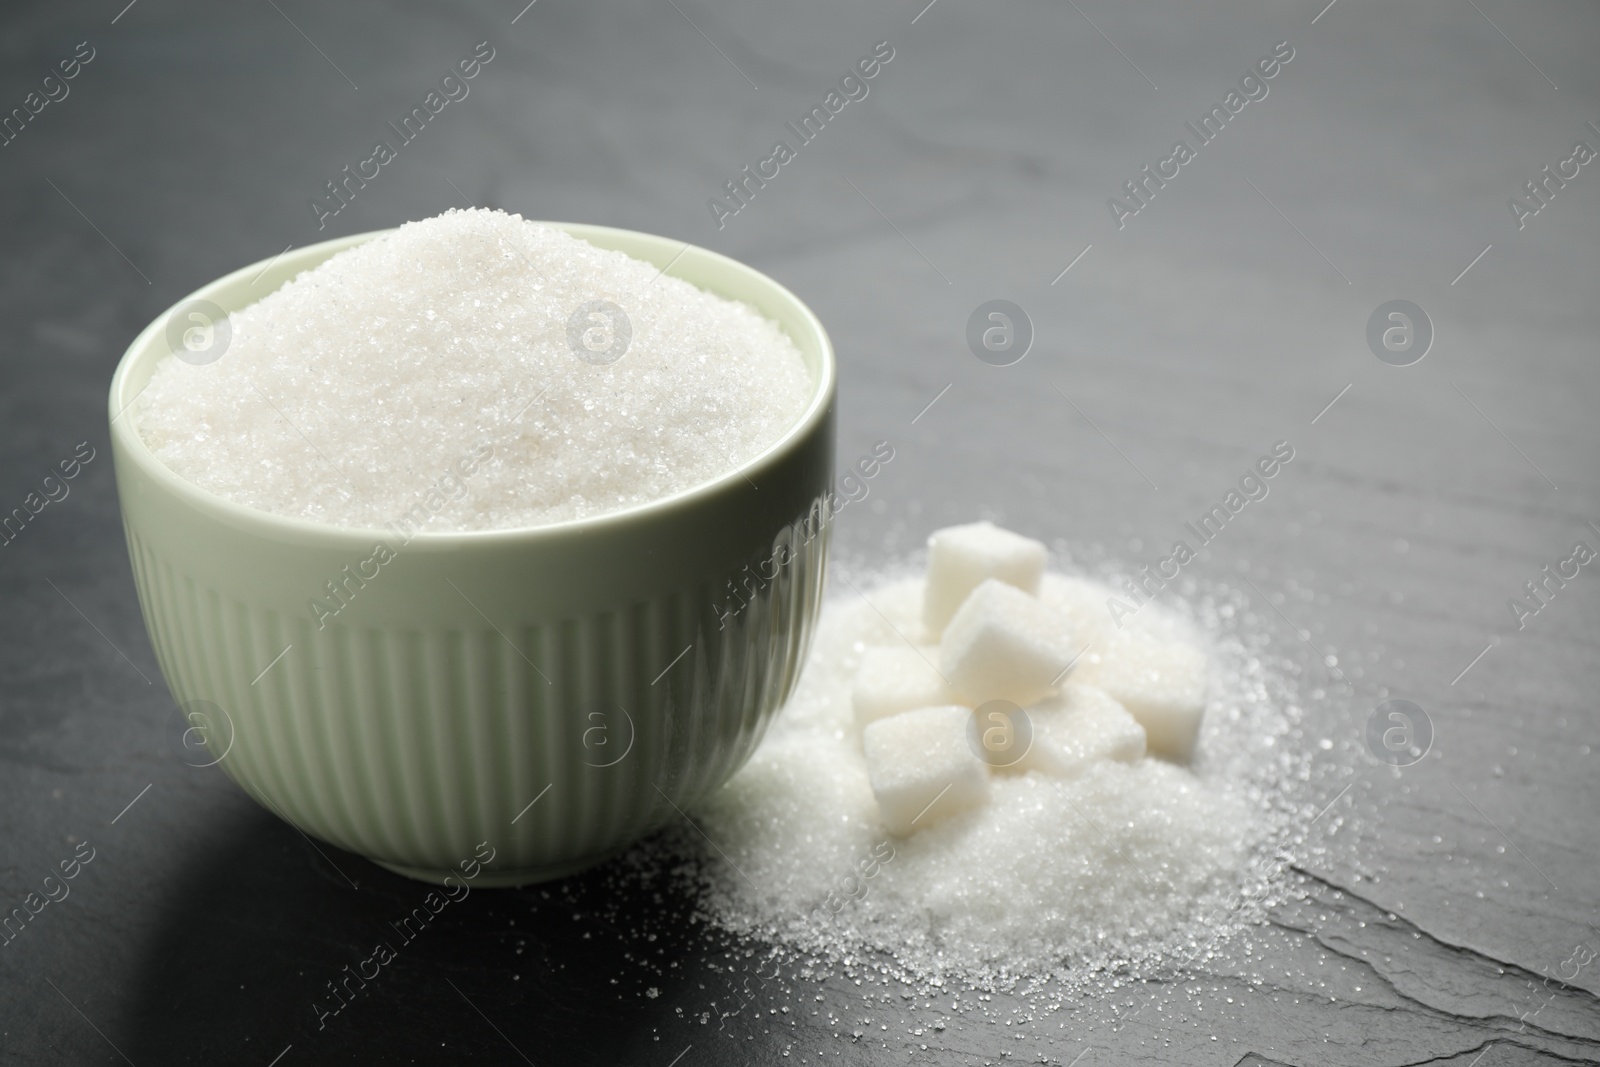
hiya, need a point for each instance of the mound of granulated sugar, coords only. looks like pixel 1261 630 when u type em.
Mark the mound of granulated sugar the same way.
pixel 461 373
pixel 1127 867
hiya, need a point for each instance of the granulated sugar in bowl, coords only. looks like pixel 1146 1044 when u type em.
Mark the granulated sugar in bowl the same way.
pixel 414 515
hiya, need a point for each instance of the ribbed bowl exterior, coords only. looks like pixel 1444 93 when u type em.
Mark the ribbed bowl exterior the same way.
pixel 555 693
pixel 411 743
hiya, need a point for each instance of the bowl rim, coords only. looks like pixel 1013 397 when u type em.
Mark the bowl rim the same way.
pixel 128 441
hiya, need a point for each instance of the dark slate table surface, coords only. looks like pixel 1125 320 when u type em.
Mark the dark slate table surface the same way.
pixel 1452 921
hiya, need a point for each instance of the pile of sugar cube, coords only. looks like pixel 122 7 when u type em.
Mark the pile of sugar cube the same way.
pixel 1016 671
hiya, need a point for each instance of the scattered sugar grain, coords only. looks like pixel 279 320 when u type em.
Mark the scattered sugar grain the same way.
pixel 357 392
pixel 1127 869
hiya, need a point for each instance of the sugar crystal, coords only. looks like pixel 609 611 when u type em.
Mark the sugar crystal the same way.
pixel 475 371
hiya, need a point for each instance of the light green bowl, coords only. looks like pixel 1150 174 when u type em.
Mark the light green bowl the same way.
pixel 601 671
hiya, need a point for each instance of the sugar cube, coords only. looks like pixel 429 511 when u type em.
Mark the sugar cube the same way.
pixel 1082 602
pixel 898 678
pixel 1077 726
pixel 1003 644
pixel 922 767
pixel 960 557
pixel 1161 683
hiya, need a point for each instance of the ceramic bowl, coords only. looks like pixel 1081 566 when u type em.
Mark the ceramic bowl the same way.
pixel 549 694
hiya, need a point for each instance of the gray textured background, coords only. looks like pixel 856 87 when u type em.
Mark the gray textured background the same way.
pixel 1225 316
